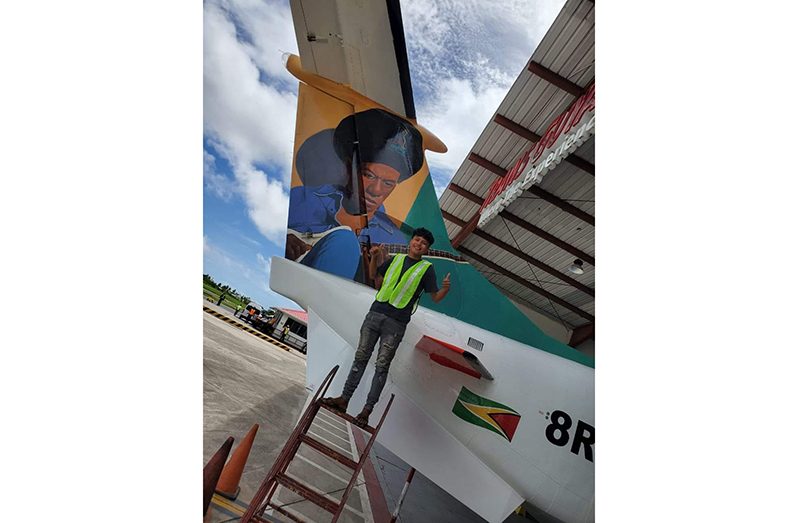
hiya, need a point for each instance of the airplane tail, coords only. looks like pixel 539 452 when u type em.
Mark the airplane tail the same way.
pixel 360 179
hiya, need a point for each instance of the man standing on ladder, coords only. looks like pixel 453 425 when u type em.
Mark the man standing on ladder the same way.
pixel 400 281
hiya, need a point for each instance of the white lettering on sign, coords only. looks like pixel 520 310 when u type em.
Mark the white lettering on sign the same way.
pixel 535 173
pixel 533 165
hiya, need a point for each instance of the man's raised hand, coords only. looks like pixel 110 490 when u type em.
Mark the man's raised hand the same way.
pixel 379 254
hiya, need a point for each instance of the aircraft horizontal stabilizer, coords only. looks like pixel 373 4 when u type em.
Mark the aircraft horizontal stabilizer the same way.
pixel 453 357
pixel 490 444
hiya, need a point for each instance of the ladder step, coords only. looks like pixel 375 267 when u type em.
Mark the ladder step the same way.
pixel 286 513
pixel 306 492
pixel 327 451
pixel 347 417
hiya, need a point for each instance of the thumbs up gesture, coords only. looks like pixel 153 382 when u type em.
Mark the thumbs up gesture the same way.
pixel 379 253
pixel 446 281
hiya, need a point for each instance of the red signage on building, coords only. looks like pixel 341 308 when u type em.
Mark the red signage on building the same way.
pixel 555 142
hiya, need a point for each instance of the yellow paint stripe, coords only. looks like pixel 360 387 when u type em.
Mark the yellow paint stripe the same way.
pixel 226 504
pixel 482 412
pixel 478 411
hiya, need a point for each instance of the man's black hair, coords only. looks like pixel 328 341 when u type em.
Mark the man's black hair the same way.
pixel 424 233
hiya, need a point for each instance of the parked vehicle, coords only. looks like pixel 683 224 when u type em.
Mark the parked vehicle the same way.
pixel 251 311
pixel 297 329
pixel 264 321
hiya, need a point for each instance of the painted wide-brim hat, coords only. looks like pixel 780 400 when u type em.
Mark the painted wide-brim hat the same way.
pixel 380 137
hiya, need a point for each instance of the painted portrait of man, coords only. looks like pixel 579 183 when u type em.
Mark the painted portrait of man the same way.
pixel 347 173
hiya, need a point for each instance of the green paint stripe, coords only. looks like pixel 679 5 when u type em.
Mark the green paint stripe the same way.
pixel 475 399
pixel 466 415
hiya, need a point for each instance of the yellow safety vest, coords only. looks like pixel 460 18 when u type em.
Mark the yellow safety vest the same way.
pixel 399 291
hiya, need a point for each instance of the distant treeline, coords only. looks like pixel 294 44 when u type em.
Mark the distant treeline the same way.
pixel 211 289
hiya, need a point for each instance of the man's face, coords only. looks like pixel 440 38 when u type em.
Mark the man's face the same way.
pixel 418 246
pixel 378 182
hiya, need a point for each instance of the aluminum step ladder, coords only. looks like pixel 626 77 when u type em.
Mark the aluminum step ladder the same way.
pixel 277 476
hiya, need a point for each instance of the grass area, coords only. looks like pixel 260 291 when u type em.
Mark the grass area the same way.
pixel 212 293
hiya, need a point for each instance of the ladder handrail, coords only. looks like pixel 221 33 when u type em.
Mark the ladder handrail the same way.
pixel 262 499
pixel 266 488
pixel 361 462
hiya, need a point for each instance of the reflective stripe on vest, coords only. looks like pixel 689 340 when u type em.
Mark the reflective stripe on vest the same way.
pixel 399 291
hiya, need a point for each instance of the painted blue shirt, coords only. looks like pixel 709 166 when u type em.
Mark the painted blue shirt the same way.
pixel 313 209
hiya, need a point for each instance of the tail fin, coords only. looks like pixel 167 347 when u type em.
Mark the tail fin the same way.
pixel 360 178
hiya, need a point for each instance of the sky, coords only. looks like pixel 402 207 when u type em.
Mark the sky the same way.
pixel 464 55
pixel 100 127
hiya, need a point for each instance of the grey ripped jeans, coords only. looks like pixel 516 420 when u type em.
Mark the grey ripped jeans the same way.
pixel 390 333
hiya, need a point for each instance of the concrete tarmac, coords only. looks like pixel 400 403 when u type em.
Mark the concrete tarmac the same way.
pixel 247 380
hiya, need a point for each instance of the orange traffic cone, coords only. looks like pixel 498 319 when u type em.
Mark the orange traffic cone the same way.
pixel 212 471
pixel 231 475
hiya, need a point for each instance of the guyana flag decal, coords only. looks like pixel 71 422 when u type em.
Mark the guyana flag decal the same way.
pixel 487 414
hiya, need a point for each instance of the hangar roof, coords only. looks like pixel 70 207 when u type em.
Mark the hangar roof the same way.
pixel 527 249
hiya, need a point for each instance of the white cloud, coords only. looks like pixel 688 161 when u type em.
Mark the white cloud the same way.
pixel 457 35
pixel 425 27
pixel 252 122
pixel 213 253
pixel 458 117
pixel 264 263
pixel 464 55
pixel 269 29
pixel 249 240
pixel 255 274
pixel 248 121
pixel 267 202
pixel 440 181
pixel 221 185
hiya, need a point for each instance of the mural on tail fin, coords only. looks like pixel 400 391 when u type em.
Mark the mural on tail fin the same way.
pixel 339 207
pixel 360 178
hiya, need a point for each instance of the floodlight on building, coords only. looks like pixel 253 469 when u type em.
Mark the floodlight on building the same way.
pixel 576 267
